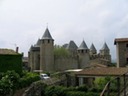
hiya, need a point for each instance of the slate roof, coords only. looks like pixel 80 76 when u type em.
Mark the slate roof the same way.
pixel 103 71
pixel 47 35
pixel 120 40
pixel 8 52
pixel 83 46
pixel 71 45
pixel 37 44
pixel 65 45
pixel 92 47
pixel 105 47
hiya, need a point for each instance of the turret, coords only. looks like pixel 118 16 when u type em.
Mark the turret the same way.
pixel 93 50
pixel 46 52
pixel 83 53
pixel 72 47
pixel 105 50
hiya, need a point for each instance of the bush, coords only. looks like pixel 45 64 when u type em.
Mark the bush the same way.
pixel 92 94
pixel 55 91
pixel 82 88
pixel 9 83
pixel 28 79
pixel 76 93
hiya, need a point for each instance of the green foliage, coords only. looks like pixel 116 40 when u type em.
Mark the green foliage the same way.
pixel 9 82
pixel 82 88
pixel 70 91
pixel 76 93
pixel 55 91
pixel 101 82
pixel 11 62
pixel 60 52
pixel 27 79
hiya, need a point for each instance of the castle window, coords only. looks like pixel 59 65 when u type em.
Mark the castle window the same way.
pixel 48 41
pixel 127 45
pixel 126 60
pixel 43 41
pixel 82 51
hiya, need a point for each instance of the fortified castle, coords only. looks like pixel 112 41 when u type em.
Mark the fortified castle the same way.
pixel 41 55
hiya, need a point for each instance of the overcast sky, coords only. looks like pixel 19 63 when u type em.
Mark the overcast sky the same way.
pixel 22 22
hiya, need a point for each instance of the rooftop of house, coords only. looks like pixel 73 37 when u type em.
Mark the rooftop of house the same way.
pixel 8 52
pixel 120 40
pixel 102 71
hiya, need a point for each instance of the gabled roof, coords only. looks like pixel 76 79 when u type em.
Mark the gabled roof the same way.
pixel 8 52
pixel 47 35
pixel 92 47
pixel 120 40
pixel 83 46
pixel 72 45
pixel 105 47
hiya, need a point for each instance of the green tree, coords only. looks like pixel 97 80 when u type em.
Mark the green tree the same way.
pixel 60 51
pixel 101 82
pixel 8 83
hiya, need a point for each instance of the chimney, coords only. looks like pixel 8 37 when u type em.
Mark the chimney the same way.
pixel 17 49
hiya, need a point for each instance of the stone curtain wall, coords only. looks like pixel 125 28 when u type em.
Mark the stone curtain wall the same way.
pixel 62 64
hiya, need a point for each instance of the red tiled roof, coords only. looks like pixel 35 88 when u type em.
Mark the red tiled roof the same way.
pixel 120 40
pixel 8 51
pixel 103 71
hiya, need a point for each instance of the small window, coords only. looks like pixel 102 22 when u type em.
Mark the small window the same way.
pixel 43 41
pixel 82 51
pixel 48 41
pixel 126 60
pixel 127 45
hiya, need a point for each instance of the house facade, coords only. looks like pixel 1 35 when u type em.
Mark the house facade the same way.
pixel 122 51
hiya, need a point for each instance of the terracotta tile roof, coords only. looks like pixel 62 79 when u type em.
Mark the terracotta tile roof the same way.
pixel 103 71
pixel 120 40
pixel 8 51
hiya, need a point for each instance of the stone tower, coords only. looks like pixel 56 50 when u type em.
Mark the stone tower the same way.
pixel 93 50
pixel 105 53
pixel 104 50
pixel 46 52
pixel 83 53
pixel 72 48
pixel 122 51
pixel 34 55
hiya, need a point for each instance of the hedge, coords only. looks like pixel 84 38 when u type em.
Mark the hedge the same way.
pixel 11 62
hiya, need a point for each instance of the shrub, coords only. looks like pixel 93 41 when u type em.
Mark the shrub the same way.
pixel 9 82
pixel 92 94
pixel 27 79
pixel 76 93
pixel 82 88
pixel 55 91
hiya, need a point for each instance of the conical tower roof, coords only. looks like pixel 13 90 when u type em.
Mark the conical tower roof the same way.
pixel 47 35
pixel 83 46
pixel 92 48
pixel 105 47
pixel 37 44
pixel 72 45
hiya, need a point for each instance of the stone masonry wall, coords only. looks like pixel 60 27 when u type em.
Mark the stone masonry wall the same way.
pixel 62 64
